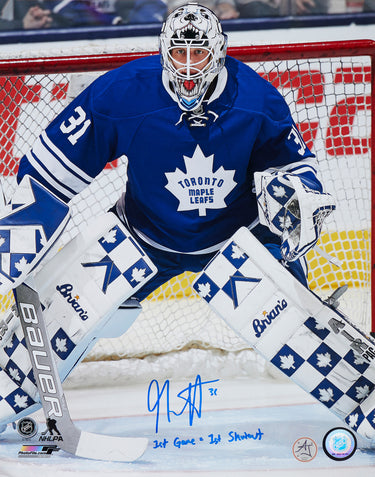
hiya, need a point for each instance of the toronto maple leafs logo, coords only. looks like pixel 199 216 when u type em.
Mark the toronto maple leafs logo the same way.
pixel 14 373
pixel 323 360
pixel 278 191
pixel 138 274
pixel 60 345
pixel 204 290
pixel 358 359
pixel 237 252
pixel 352 420
pixel 362 392
pixel 285 222
pixel 111 236
pixel 20 401
pixel 21 264
pixel 287 362
pixel 326 394
pixel 200 188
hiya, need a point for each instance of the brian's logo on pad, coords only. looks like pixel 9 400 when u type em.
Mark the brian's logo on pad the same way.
pixel 260 325
pixel 66 291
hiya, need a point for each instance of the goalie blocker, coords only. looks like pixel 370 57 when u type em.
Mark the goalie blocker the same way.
pixel 313 344
pixel 29 227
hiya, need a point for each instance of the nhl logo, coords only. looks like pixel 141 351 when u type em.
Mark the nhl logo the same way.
pixel 27 427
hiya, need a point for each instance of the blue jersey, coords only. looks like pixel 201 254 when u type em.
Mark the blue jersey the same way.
pixel 189 183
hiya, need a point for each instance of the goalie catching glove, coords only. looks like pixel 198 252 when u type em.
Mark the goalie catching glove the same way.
pixel 291 210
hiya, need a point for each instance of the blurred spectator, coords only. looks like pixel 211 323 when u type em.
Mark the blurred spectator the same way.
pixel 147 11
pixel 16 15
pixel 224 9
pixel 78 13
pixel 304 7
pixel 38 14
pixel 131 11
pixel 369 6
pixel 258 8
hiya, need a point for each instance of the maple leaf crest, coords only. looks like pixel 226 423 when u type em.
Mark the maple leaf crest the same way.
pixel 353 419
pixel 287 362
pixel 14 374
pixel 204 289
pixel 278 191
pixel 60 344
pixel 362 392
pixel 43 241
pixel 323 360
pixel 200 188
pixel 326 395
pixel 358 359
pixel 285 222
pixel 10 342
pixel 319 326
pixel 138 274
pixel 21 264
pixel 20 401
pixel 2 240
pixel 110 237
pixel 237 252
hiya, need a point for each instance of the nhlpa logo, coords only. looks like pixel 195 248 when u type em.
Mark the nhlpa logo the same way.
pixel 200 187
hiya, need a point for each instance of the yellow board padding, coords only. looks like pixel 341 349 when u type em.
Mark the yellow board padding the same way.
pixel 352 248
pixel 6 302
pixel 177 287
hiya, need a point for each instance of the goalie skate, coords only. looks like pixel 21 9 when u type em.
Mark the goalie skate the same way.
pixel 310 342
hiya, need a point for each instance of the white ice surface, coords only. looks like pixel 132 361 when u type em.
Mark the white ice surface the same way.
pixel 280 410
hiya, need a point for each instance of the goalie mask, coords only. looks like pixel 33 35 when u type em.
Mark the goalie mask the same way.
pixel 193 49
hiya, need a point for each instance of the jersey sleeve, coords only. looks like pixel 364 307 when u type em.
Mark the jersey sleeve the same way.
pixel 73 149
pixel 280 145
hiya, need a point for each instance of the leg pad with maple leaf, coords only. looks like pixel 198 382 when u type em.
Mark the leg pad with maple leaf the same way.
pixel 306 338
pixel 85 292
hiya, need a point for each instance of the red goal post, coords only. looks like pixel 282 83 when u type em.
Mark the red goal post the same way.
pixel 329 87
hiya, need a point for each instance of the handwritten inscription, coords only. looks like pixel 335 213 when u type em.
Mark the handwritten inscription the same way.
pixel 211 439
pixel 191 397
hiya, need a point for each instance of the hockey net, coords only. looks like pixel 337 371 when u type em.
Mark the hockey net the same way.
pixel 329 88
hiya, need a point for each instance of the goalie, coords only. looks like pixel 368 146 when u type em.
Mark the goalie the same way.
pixel 211 147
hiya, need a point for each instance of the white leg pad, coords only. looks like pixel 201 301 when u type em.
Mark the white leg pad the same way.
pixel 80 290
pixel 314 345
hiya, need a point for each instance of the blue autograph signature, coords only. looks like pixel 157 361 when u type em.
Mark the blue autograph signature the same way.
pixel 192 396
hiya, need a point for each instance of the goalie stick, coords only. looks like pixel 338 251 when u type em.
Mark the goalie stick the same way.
pixel 73 440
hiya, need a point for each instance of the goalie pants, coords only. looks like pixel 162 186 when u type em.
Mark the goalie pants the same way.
pixel 170 264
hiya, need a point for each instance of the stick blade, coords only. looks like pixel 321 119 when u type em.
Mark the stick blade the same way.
pixel 111 448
